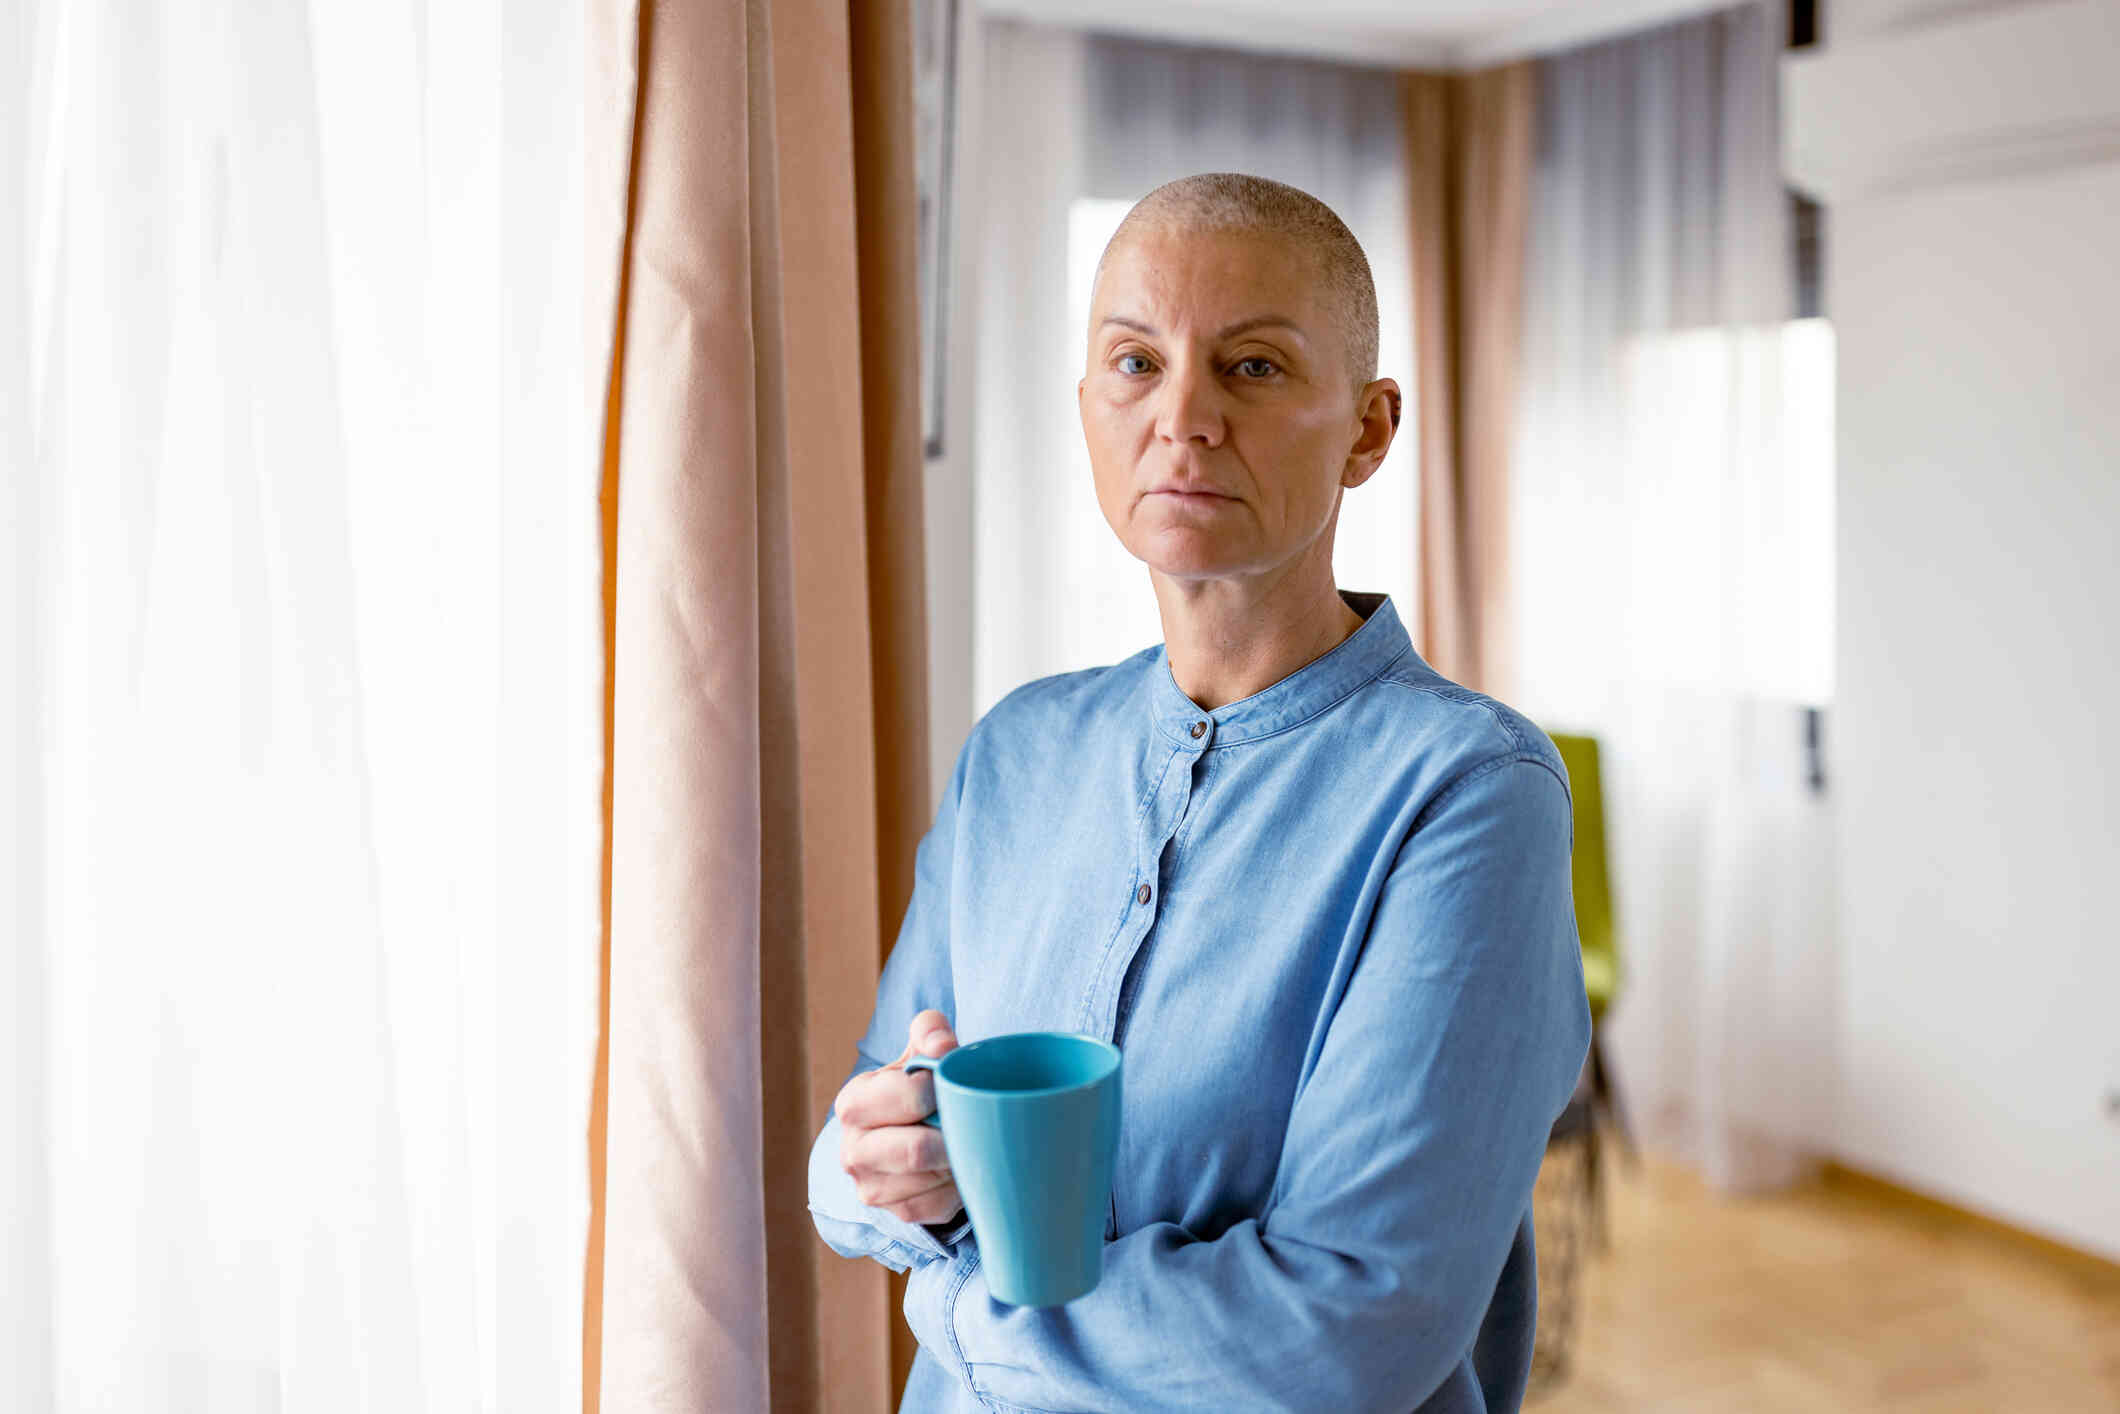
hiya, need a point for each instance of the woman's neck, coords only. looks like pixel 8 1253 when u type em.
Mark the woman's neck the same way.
pixel 1228 639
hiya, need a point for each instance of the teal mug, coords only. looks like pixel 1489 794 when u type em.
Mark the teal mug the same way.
pixel 1031 1124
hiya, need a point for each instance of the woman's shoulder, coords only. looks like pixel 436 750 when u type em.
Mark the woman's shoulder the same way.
pixel 1074 715
pixel 1456 728
pixel 1071 699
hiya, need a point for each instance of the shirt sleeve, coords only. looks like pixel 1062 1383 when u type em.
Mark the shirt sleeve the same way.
pixel 915 977
pixel 1406 1170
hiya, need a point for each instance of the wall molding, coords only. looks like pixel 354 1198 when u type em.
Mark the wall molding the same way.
pixel 2084 1264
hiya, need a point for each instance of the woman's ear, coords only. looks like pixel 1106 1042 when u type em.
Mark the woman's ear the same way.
pixel 1378 407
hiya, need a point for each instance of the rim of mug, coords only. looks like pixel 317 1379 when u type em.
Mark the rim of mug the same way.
pixel 1116 1056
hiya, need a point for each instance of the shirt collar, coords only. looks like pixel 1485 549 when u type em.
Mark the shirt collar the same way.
pixel 1303 694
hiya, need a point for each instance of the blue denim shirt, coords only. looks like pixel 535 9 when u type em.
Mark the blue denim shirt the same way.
pixel 1351 1007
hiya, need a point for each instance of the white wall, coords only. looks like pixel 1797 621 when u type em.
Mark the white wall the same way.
pixel 1845 20
pixel 1974 748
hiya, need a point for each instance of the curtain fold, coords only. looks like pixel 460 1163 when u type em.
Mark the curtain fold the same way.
pixel 768 779
pixel 1468 161
pixel 610 89
pixel 1672 515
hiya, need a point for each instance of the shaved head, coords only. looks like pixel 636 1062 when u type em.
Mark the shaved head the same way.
pixel 1231 202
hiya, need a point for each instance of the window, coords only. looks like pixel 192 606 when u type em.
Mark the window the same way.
pixel 1763 531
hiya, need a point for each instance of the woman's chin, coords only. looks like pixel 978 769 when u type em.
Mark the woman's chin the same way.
pixel 1188 545
pixel 1183 557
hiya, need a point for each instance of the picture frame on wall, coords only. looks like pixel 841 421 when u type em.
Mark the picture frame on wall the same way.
pixel 935 132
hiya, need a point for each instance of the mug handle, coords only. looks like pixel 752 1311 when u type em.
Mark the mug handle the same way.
pixel 926 1063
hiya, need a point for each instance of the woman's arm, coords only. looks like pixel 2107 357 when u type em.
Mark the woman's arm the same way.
pixel 915 978
pixel 1405 1173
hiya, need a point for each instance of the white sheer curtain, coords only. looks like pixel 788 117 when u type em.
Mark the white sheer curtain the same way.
pixel 1671 509
pixel 306 706
pixel 1075 129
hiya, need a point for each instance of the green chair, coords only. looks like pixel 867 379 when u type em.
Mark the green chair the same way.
pixel 1592 877
pixel 1568 1203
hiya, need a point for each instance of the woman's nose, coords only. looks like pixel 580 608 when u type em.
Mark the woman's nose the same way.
pixel 1190 407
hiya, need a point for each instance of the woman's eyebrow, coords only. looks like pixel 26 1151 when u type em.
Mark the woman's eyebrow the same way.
pixel 1256 321
pixel 1260 321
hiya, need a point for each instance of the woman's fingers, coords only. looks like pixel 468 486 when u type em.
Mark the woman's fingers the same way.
pixel 885 1097
pixel 935 1206
pixel 892 1149
pixel 881 1190
pixel 889 1095
pixel 897 1163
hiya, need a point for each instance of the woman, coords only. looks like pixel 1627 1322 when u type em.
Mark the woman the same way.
pixel 1316 893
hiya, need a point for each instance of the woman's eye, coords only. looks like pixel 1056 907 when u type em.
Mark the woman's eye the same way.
pixel 1256 367
pixel 1127 360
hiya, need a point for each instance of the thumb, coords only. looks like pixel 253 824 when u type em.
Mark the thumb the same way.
pixel 921 1036
pixel 930 1035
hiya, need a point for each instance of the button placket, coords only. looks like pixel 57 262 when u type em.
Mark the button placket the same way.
pixel 1159 824
pixel 1160 828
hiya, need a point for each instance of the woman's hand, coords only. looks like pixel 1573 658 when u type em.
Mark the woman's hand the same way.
pixel 897 1163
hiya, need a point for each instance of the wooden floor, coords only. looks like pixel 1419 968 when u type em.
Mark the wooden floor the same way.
pixel 1833 1296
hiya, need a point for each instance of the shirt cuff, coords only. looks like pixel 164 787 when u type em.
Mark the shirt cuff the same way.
pixel 931 1295
pixel 951 1233
pixel 833 1202
pixel 936 1241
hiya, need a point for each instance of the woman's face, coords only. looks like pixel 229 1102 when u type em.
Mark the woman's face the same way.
pixel 1220 411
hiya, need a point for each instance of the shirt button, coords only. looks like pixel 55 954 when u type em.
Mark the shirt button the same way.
pixel 1199 730
pixel 1142 895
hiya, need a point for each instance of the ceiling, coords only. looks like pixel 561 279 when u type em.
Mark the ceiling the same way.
pixel 1430 34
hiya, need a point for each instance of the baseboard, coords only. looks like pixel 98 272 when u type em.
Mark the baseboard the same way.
pixel 2090 1266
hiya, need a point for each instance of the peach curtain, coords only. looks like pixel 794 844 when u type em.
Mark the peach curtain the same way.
pixel 1468 152
pixel 752 247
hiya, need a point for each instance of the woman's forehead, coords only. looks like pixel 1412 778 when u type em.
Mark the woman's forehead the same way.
pixel 1209 283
